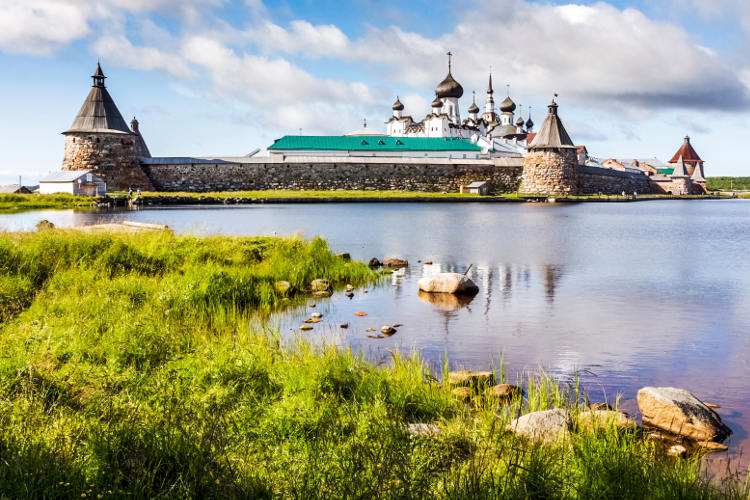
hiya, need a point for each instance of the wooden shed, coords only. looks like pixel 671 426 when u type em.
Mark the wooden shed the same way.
pixel 14 189
pixel 76 182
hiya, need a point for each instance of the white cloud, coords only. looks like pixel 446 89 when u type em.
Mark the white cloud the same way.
pixel 286 93
pixel 39 26
pixel 119 49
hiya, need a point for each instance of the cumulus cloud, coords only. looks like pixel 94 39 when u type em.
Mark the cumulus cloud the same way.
pixel 39 26
pixel 288 93
pixel 121 50
pixel 595 55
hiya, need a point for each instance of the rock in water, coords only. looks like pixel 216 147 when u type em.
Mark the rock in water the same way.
pixel 320 285
pixel 454 283
pixel 283 287
pixel 471 378
pixel 545 426
pixel 316 315
pixel 679 412
pixel 374 262
pixel 387 330
pixel 344 255
pixel 305 327
pixel 393 262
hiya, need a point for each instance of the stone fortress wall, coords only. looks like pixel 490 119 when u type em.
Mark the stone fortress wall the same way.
pixel 412 174
pixel 594 180
pixel 111 156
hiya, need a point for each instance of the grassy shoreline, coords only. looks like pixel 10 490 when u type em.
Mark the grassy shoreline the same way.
pixel 13 202
pixel 131 369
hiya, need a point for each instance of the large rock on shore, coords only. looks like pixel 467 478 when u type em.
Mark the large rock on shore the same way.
pixel 545 426
pixel 679 412
pixel 454 283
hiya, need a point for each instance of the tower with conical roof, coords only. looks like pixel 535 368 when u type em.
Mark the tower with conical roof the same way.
pixel 551 165
pixel 99 140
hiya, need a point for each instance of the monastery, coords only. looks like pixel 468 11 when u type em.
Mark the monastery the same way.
pixel 441 152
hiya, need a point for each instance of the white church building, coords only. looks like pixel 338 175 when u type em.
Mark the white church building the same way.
pixel 501 133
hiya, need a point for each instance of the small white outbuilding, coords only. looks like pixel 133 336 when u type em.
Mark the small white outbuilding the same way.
pixel 76 182
pixel 478 187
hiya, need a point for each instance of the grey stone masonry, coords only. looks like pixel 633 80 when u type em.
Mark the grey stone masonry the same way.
pixel 596 180
pixel 434 174
pixel 111 156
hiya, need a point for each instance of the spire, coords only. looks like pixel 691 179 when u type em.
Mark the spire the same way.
pixel 489 87
pixel 98 76
pixel 698 173
pixel 552 133
pixel 680 170
pixel 449 61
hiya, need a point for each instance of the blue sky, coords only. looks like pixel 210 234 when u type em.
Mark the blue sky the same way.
pixel 209 77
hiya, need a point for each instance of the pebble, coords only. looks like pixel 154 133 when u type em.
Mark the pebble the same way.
pixel 305 327
pixel 428 262
pixel 369 329
pixel 316 315
pixel 344 325
pixel 360 313
pixel 387 330
pixel 311 304
pixel 396 325
pixel 676 450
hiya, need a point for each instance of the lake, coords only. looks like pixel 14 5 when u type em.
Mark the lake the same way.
pixel 626 294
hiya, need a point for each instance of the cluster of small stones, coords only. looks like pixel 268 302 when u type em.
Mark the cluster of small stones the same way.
pixel 551 171
pixel 203 177
pixel 595 180
pixel 110 156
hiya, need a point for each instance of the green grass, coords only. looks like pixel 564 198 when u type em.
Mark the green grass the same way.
pixel 728 183
pixel 12 202
pixel 310 194
pixel 131 364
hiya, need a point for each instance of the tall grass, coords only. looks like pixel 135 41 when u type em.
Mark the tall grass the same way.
pixel 131 371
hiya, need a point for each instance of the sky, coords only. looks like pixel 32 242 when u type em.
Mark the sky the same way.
pixel 224 77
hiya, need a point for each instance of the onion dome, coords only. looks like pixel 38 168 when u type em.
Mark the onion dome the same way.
pixel 449 87
pixel 473 108
pixel 437 103
pixel 397 106
pixel 519 122
pixel 529 123
pixel 507 106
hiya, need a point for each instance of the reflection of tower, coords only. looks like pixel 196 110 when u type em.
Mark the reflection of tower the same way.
pixel 507 273
pixel 487 283
pixel 552 275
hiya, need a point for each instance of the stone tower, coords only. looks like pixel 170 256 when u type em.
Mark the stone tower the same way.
pixel 99 140
pixel 551 165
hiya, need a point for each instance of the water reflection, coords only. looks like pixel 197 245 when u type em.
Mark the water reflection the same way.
pixel 445 301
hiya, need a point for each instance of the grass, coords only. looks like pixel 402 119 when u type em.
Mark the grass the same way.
pixel 131 368
pixel 728 183
pixel 312 194
pixel 11 202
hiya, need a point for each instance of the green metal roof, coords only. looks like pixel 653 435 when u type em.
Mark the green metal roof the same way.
pixel 372 143
pixel 665 171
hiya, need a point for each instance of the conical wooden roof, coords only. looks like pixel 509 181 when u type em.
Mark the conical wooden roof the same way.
pixel 686 152
pixel 680 170
pixel 99 112
pixel 698 173
pixel 552 134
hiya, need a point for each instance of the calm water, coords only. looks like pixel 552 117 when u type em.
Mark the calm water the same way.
pixel 653 293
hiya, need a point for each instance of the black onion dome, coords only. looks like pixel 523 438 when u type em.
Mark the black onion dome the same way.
pixel 397 106
pixel 473 108
pixel 449 87
pixel 508 106
pixel 529 123
pixel 437 103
